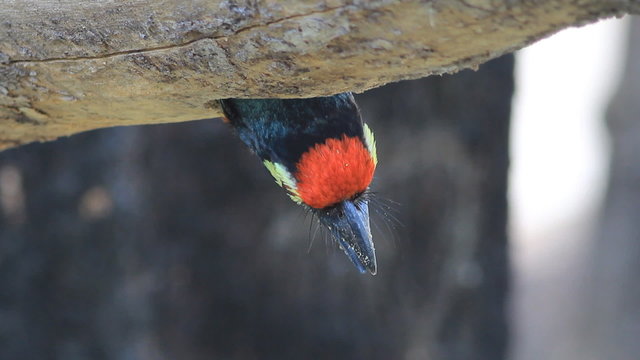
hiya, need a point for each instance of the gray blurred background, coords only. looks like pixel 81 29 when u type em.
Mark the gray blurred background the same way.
pixel 173 242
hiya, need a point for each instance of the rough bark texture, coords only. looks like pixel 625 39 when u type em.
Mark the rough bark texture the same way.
pixel 173 242
pixel 71 66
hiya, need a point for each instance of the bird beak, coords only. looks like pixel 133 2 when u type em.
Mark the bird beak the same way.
pixel 349 225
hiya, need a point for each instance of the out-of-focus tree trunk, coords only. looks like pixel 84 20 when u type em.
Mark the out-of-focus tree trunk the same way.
pixel 172 242
pixel 612 322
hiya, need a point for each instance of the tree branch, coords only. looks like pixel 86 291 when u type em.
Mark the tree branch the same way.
pixel 74 66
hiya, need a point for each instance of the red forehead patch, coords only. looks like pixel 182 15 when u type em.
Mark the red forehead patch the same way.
pixel 334 171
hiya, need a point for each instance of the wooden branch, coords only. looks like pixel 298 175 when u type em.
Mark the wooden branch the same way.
pixel 67 67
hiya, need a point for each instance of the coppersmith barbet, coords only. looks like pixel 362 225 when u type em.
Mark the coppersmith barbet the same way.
pixel 323 155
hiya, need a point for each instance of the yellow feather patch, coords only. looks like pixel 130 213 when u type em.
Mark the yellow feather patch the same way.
pixel 284 179
pixel 371 143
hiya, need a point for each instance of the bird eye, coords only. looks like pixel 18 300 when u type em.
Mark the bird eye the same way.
pixel 356 198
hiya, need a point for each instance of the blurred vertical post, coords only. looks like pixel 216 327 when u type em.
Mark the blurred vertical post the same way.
pixel 172 242
pixel 612 319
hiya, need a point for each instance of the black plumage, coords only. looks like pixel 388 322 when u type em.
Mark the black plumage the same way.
pixel 281 130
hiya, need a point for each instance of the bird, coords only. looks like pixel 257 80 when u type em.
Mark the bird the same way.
pixel 323 155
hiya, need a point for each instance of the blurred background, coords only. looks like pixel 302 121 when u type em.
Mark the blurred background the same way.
pixel 172 242
pixel 574 195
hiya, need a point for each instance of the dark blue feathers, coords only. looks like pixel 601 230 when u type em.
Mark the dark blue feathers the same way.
pixel 281 130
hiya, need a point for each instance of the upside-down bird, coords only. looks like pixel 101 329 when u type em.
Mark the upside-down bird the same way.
pixel 322 154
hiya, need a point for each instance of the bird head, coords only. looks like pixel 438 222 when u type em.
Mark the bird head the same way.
pixel 332 178
pixel 322 154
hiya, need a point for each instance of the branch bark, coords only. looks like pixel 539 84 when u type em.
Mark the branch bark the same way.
pixel 67 67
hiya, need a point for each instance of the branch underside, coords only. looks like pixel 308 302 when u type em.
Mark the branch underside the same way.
pixel 155 62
